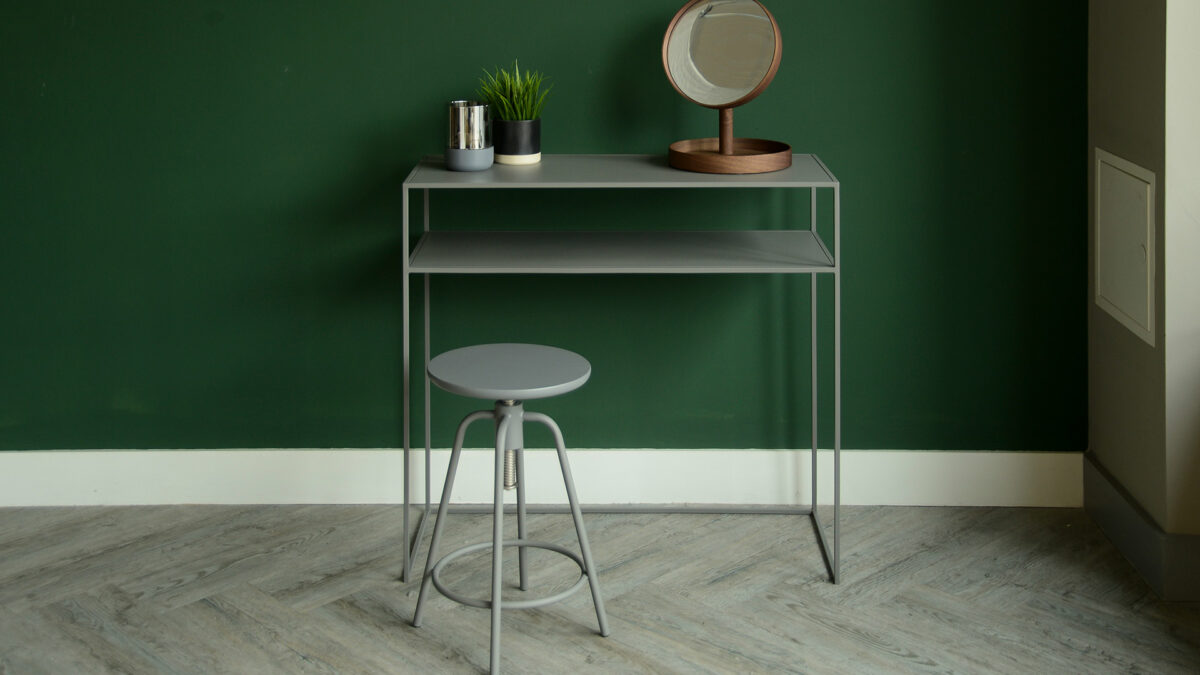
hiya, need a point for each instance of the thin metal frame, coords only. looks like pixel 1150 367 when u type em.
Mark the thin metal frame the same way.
pixel 505 414
pixel 831 554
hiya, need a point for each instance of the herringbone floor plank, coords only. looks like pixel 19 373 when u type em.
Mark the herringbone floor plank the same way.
pixel 315 589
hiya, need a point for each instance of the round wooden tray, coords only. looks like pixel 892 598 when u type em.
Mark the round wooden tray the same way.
pixel 750 155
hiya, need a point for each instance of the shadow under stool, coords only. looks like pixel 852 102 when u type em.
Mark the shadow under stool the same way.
pixel 509 374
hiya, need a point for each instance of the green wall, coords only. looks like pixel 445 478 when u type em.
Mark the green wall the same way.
pixel 200 215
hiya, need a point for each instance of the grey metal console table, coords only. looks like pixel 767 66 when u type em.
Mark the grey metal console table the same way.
pixel 794 251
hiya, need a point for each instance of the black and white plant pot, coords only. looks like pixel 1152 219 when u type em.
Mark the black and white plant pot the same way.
pixel 517 141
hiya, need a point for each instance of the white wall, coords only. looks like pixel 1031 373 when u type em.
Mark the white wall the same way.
pixel 1143 400
pixel 1182 224
pixel 1126 385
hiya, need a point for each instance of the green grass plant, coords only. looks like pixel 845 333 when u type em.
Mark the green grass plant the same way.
pixel 513 95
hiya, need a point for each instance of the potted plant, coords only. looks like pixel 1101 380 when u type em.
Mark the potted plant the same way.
pixel 516 100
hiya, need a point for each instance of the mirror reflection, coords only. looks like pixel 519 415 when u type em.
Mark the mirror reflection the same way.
pixel 720 51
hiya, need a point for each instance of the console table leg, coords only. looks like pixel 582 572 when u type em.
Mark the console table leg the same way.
pixel 406 565
pixel 837 385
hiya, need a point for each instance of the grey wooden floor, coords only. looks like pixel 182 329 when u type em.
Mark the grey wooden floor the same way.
pixel 314 589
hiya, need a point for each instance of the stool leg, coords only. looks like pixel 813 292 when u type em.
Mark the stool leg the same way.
pixel 521 517
pixel 427 578
pixel 498 540
pixel 577 515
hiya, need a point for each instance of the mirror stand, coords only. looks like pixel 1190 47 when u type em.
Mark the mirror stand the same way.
pixel 725 124
pixel 727 154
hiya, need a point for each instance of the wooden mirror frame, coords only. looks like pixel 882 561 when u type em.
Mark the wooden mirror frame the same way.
pixel 762 84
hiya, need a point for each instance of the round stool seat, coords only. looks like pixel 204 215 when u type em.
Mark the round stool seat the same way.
pixel 504 372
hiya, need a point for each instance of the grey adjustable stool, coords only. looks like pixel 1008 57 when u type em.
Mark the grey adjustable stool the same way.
pixel 509 374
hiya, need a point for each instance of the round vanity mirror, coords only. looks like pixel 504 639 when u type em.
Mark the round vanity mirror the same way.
pixel 721 54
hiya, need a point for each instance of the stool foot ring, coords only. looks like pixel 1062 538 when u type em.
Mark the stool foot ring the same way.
pixel 435 576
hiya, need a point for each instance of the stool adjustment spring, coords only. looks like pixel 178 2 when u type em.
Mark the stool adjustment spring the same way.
pixel 510 469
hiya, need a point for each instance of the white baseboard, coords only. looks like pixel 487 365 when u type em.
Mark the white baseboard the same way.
pixel 357 476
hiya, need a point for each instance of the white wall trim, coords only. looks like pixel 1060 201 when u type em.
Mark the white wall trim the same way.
pixel 358 476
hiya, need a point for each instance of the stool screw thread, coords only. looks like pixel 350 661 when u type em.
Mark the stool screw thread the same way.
pixel 510 469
